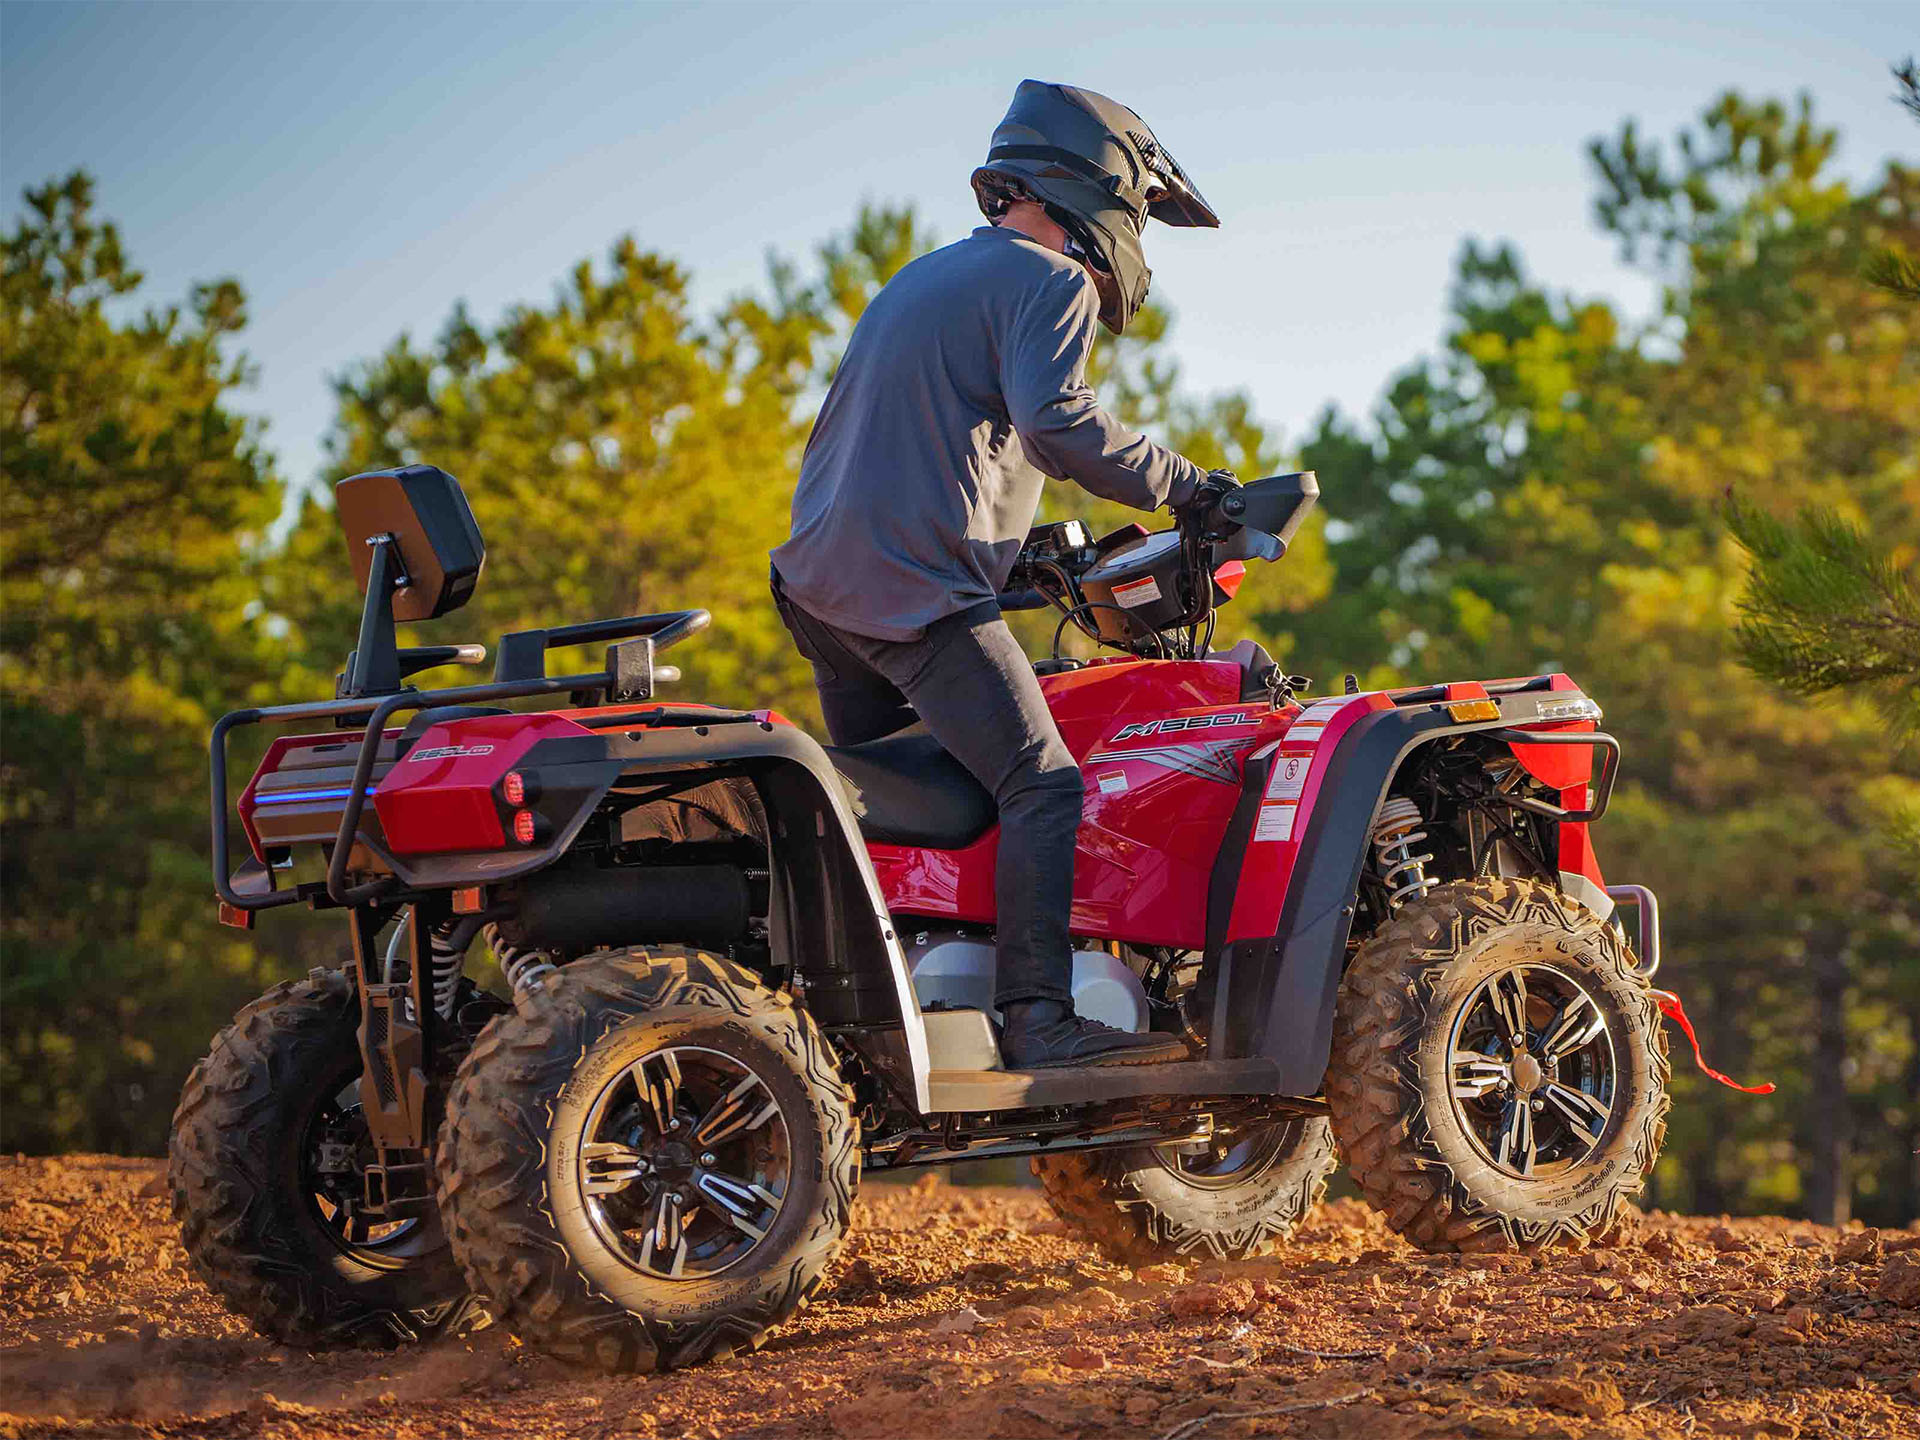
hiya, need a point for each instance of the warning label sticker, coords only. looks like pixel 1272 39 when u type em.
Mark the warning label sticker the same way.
pixel 1276 823
pixel 1289 777
pixel 1136 593
pixel 1112 783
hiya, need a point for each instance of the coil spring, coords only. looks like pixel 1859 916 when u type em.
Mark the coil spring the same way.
pixel 448 943
pixel 521 967
pixel 1395 834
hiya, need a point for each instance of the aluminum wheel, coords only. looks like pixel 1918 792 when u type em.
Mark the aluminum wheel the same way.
pixel 334 1153
pixel 1532 1071
pixel 1231 1159
pixel 684 1162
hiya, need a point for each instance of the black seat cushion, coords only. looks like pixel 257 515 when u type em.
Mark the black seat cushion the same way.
pixel 907 790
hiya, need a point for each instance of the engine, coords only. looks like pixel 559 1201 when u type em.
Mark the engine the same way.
pixel 954 970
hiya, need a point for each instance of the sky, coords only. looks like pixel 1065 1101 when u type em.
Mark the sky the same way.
pixel 360 168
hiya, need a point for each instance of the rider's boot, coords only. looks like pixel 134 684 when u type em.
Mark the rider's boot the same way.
pixel 1037 1034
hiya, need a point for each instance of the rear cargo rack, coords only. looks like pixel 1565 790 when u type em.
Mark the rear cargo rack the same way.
pixel 629 675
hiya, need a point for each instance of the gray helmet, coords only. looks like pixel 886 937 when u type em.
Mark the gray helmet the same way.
pixel 1100 173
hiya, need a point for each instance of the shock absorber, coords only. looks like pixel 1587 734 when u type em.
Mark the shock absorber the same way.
pixel 1395 833
pixel 449 942
pixel 522 967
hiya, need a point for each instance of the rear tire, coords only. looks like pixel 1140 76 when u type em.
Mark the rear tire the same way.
pixel 578 1248
pixel 1427 1089
pixel 250 1217
pixel 1152 1204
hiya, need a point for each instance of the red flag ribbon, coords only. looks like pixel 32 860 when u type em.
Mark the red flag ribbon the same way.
pixel 1671 1007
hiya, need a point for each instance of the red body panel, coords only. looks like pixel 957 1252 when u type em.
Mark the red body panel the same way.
pixel 1158 804
pixel 440 799
pixel 1162 746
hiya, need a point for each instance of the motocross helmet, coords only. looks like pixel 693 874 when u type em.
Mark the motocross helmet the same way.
pixel 1100 173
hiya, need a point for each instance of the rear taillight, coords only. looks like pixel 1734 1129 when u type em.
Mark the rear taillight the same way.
pixel 524 826
pixel 513 788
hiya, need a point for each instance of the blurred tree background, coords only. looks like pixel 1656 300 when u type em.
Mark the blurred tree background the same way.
pixel 1550 489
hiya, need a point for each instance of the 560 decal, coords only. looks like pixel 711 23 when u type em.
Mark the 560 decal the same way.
pixel 1179 722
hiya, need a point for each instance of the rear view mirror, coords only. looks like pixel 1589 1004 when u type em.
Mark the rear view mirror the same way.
pixel 1275 505
pixel 433 537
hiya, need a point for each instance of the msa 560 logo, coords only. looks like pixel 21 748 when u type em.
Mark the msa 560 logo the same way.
pixel 1207 759
pixel 1179 722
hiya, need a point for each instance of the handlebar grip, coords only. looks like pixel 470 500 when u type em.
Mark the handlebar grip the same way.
pixel 1026 599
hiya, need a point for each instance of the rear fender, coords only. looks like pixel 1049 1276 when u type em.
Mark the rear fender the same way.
pixel 1307 832
pixel 828 918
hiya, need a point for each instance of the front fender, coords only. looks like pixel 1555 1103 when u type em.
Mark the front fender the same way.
pixel 1285 941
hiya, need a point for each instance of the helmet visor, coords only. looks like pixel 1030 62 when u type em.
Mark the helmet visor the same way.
pixel 1171 196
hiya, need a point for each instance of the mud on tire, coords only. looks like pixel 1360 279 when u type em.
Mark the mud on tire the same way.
pixel 1144 1205
pixel 248 1223
pixel 1392 1076
pixel 511 1161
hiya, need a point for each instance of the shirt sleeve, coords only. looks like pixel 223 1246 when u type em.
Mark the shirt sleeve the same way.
pixel 1062 426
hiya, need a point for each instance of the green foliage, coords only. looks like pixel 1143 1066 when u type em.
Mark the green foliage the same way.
pixel 133 506
pixel 1825 610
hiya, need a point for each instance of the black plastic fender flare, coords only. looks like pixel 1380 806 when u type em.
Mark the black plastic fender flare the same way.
pixel 828 916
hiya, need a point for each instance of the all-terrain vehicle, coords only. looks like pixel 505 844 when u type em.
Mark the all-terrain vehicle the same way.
pixel 738 968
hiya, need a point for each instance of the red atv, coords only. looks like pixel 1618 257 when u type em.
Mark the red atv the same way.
pixel 742 968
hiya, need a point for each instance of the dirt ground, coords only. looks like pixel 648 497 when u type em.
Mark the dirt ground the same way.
pixel 971 1312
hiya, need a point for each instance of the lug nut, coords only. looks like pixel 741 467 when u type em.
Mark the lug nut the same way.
pixel 707 1157
pixel 677 1198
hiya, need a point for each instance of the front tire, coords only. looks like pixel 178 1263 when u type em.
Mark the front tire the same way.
pixel 1232 1203
pixel 650 1163
pixel 260 1169
pixel 1499 1073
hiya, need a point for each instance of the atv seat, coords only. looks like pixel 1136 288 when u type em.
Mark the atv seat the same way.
pixel 907 790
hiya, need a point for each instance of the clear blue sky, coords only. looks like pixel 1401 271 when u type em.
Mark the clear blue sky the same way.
pixel 361 167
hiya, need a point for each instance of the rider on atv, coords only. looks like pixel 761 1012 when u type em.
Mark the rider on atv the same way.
pixel 963 385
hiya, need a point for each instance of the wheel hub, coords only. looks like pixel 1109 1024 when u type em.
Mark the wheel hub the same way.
pixel 1527 1074
pixel 1532 1071
pixel 684 1162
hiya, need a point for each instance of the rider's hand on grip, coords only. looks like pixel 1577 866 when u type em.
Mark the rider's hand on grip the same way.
pixel 1209 492
pixel 1204 508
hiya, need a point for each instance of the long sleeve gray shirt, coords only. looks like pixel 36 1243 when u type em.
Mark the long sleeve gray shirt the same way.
pixel 964 384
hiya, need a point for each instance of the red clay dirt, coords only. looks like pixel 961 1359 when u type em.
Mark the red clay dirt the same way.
pixel 971 1312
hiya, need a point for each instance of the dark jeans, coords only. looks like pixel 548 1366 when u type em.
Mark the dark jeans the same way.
pixel 969 681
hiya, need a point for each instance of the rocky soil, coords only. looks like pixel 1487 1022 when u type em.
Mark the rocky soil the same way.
pixel 971 1312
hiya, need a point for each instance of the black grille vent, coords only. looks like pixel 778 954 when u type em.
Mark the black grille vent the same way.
pixel 377 1048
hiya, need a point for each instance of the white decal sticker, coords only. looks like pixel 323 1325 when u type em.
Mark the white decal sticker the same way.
pixel 1136 593
pixel 449 752
pixel 1276 823
pixel 1112 784
pixel 1179 722
pixel 1289 777
pixel 1306 732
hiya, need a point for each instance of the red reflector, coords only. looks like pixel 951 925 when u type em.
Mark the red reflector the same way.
pixel 523 827
pixel 470 901
pixel 513 789
pixel 236 917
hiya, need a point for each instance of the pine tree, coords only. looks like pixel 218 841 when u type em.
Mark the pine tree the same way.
pixel 1827 609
